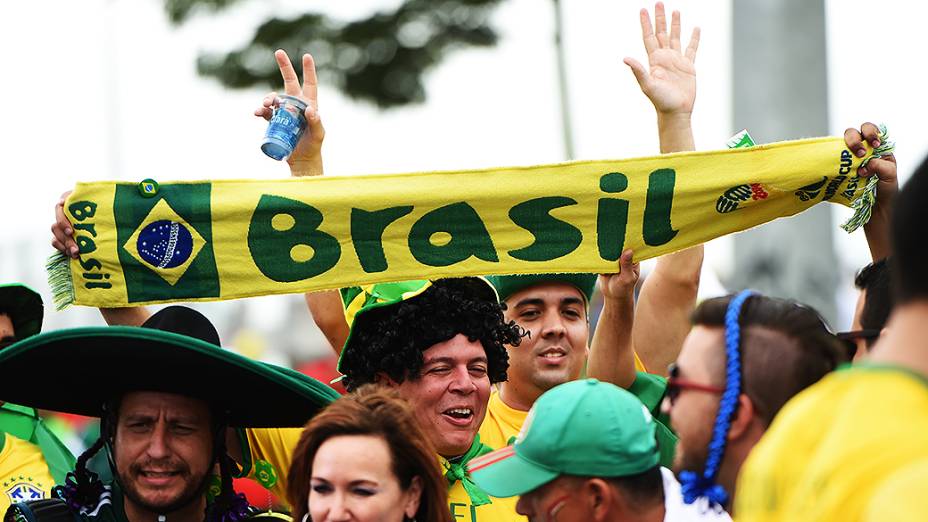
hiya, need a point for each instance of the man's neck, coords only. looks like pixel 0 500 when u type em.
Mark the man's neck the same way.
pixel 517 398
pixel 193 512
pixel 905 342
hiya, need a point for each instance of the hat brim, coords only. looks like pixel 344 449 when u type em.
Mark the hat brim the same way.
pixel 78 370
pixel 503 473
pixel 25 306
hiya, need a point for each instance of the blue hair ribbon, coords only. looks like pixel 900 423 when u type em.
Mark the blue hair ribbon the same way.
pixel 694 485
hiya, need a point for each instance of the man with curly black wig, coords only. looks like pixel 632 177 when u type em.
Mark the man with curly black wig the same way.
pixel 441 344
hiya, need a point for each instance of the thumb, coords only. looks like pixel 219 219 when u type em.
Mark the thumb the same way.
pixel 639 71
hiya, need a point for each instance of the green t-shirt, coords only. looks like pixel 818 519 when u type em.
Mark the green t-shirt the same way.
pixel 650 390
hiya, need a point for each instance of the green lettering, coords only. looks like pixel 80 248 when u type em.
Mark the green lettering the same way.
pixel 473 513
pixel 612 217
pixel 553 238
pixel 81 210
pixel 85 245
pixel 90 264
pixel 86 227
pixel 468 236
pixel 656 228
pixel 454 506
pixel 285 242
pixel 367 235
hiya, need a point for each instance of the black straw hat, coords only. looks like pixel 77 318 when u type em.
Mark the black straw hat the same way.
pixel 176 351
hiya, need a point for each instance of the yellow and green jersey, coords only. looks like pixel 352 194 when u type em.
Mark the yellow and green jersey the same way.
pixel 32 459
pixel 832 451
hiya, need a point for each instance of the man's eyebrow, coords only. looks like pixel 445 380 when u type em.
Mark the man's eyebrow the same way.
pixel 571 301
pixel 438 360
pixel 529 301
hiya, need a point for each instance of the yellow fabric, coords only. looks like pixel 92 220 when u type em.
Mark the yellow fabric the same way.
pixel 831 449
pixel 227 239
pixel 501 423
pixel 274 446
pixel 902 496
pixel 24 475
pixel 498 510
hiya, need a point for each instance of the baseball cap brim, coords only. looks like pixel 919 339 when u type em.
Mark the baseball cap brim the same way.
pixel 503 473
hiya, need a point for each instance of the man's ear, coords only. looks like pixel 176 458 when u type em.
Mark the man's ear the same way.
pixel 743 418
pixel 599 499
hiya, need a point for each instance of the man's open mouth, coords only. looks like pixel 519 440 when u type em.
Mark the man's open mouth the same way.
pixel 459 416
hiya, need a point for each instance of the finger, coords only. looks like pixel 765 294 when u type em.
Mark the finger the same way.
pixel 660 25
pixel 855 142
pixel 310 83
pixel 291 82
pixel 883 168
pixel 675 31
pixel 639 71
pixel 871 133
pixel 314 124
pixel 693 46
pixel 270 100
pixel 62 230
pixel 647 32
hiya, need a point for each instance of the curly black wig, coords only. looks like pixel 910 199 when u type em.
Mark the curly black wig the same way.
pixel 391 339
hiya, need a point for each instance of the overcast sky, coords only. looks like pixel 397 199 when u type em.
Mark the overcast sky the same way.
pixel 106 89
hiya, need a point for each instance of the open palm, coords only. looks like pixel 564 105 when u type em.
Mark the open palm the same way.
pixel 670 80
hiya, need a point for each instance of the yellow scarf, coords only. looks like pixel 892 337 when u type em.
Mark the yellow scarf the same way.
pixel 225 239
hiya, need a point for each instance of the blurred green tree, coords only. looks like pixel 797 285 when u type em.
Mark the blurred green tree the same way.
pixel 380 58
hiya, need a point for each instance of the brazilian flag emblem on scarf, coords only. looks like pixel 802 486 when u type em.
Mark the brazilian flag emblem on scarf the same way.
pixel 165 243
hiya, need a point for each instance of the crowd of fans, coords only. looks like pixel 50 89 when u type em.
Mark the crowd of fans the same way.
pixel 487 399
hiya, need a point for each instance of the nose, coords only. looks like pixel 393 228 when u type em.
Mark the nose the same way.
pixel 338 509
pixel 524 507
pixel 158 446
pixel 461 381
pixel 553 325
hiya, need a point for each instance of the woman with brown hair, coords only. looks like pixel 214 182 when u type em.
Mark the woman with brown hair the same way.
pixel 365 459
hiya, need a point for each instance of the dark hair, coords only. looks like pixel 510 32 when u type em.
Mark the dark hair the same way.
pixel 642 489
pixel 373 410
pixel 875 279
pixel 391 339
pixel 910 250
pixel 785 348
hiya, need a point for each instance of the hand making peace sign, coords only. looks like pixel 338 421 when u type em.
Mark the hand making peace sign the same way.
pixel 306 159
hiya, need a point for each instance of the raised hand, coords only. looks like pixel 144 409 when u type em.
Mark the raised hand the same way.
pixel 306 158
pixel 670 80
pixel 877 229
pixel 622 284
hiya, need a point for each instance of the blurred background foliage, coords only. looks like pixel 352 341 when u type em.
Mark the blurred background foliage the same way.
pixel 380 59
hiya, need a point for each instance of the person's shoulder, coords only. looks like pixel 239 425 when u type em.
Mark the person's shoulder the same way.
pixel 677 510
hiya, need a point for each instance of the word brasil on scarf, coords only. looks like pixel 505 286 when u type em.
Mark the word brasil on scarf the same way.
pixel 226 239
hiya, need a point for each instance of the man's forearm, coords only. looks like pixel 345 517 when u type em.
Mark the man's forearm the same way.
pixel 612 357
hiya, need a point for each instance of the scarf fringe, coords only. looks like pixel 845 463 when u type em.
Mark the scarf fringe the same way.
pixel 863 204
pixel 58 268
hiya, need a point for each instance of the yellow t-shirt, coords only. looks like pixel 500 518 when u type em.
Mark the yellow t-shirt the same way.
pixel 901 497
pixel 832 447
pixel 501 423
pixel 271 454
pixel 24 475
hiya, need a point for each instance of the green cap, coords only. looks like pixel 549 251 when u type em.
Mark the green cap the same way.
pixel 585 428
pixel 509 284
pixel 25 308
pixel 360 300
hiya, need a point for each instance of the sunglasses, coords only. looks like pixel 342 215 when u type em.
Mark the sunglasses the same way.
pixel 850 339
pixel 675 384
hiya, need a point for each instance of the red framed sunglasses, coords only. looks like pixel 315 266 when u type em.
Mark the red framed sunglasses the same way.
pixel 675 384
